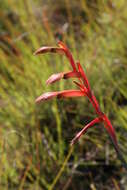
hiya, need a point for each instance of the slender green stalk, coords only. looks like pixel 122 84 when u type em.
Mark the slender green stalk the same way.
pixel 61 169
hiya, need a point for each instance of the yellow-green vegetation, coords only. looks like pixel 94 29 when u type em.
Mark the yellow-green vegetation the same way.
pixel 34 139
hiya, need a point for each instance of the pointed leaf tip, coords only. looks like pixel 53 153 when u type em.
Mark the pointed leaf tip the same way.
pixel 95 121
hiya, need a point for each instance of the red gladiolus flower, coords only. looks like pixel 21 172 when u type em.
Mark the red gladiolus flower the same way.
pixel 61 94
pixel 84 90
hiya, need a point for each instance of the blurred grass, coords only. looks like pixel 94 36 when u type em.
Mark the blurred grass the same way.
pixel 35 139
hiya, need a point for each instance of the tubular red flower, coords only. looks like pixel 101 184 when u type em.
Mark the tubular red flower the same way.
pixel 70 93
pixel 61 94
pixel 46 96
pixel 56 77
pixel 61 50
pixel 47 49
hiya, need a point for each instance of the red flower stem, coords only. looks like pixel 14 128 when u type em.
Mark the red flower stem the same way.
pixel 83 76
pixel 90 95
pixel 68 54
pixel 96 106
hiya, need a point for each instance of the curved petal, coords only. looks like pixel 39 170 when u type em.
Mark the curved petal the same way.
pixel 47 49
pixel 46 96
pixel 56 77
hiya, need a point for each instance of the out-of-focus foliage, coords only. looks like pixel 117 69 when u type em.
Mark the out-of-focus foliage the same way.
pixel 34 140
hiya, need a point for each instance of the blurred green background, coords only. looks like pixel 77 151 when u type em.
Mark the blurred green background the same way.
pixel 34 139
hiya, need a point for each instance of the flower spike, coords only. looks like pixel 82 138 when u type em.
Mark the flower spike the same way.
pixel 84 90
